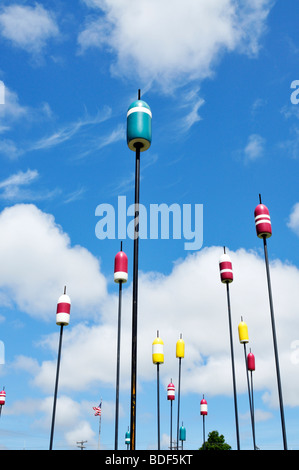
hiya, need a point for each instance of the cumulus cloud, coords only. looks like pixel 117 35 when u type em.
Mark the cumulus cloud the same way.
pixel 27 27
pixel 172 41
pixel 38 261
pixel 192 301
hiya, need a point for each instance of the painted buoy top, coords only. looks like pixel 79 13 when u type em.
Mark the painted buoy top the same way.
pixel 243 332
pixel 121 267
pixel 170 391
pixel 203 407
pixel 262 221
pixel 157 351
pixel 139 126
pixel 251 361
pixel 63 310
pixel 226 269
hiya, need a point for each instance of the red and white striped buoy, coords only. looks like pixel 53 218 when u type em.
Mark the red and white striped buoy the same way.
pixel 203 407
pixel 251 362
pixel 121 267
pixel 2 397
pixel 63 310
pixel 226 269
pixel 262 221
pixel 170 391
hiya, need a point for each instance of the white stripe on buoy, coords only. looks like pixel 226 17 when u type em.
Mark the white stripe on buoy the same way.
pixel 139 109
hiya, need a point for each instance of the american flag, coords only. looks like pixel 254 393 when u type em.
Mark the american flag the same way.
pixel 97 409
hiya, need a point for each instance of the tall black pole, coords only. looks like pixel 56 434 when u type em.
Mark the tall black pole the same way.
pixel 250 398
pixel 275 345
pixel 135 299
pixel 171 424
pixel 233 366
pixel 158 405
pixel 56 387
pixel 204 438
pixel 118 362
pixel 179 397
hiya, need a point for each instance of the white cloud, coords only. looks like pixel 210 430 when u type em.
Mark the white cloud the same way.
pixel 173 41
pixel 254 148
pixel 192 301
pixel 293 222
pixel 28 27
pixel 38 260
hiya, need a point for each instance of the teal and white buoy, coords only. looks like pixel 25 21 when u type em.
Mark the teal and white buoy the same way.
pixel 139 126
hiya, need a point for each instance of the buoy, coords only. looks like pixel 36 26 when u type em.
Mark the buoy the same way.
pixel 182 433
pixel 2 397
pixel 262 221
pixel 121 267
pixel 180 348
pixel 251 362
pixel 63 310
pixel 226 269
pixel 203 407
pixel 139 126
pixel 243 332
pixel 158 351
pixel 170 391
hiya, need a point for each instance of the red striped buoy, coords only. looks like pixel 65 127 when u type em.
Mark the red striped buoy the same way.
pixel 203 407
pixel 251 362
pixel 2 397
pixel 121 267
pixel 170 391
pixel 63 310
pixel 262 221
pixel 226 269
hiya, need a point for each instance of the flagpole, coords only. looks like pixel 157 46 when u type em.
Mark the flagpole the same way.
pixel 100 422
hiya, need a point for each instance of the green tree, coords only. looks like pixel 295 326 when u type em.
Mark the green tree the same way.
pixel 215 442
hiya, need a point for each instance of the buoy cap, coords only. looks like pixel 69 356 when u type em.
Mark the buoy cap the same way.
pixel 157 351
pixel 63 310
pixel 121 267
pixel 139 126
pixel 243 332
pixel 262 221
pixel 226 269
pixel 180 348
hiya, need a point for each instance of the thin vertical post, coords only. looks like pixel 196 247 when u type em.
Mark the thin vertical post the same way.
pixel 135 303
pixel 275 345
pixel 233 366
pixel 56 387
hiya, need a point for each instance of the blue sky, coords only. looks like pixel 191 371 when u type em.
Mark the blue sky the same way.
pixel 217 77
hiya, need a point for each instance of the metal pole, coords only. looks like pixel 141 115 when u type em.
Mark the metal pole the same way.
pixel 118 364
pixel 252 401
pixel 135 299
pixel 158 405
pixel 179 396
pixel 204 439
pixel 250 398
pixel 275 345
pixel 233 366
pixel 171 423
pixel 56 388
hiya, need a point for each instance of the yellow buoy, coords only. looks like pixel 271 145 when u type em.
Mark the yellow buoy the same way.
pixel 180 348
pixel 157 350
pixel 243 332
